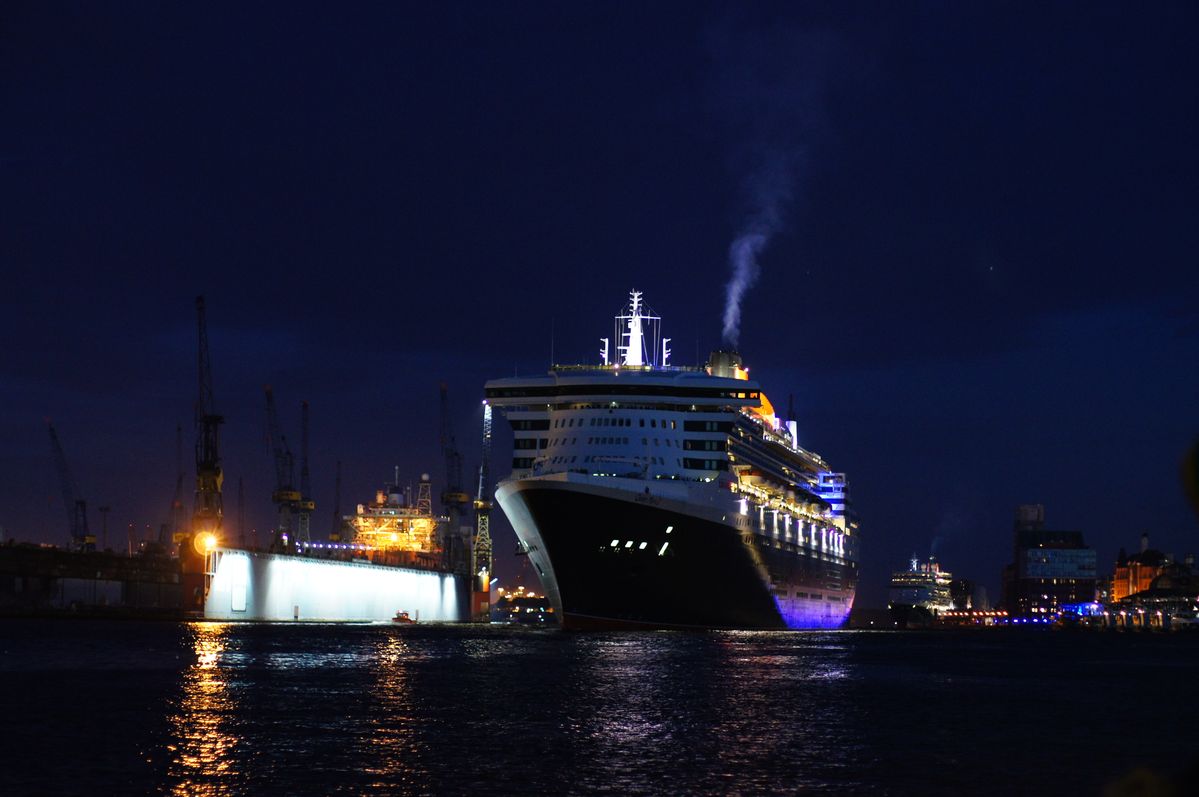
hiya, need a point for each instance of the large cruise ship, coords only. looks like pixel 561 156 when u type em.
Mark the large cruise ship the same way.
pixel 656 496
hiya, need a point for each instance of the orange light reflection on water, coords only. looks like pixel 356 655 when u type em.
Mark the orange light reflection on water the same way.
pixel 392 747
pixel 202 743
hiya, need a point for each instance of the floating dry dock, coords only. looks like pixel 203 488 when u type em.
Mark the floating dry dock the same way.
pixel 257 586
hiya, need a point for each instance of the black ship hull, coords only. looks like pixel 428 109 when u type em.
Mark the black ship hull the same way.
pixel 612 558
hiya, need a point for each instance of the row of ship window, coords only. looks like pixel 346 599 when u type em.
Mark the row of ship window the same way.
pixel 543 424
pixel 653 422
pixel 565 460
pixel 524 463
pixel 817 596
pixel 526 443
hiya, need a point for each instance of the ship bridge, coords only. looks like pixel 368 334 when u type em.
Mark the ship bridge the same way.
pixel 632 414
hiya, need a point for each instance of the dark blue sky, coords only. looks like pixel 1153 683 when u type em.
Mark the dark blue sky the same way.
pixel 981 291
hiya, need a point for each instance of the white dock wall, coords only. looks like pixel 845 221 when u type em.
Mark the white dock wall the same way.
pixel 259 586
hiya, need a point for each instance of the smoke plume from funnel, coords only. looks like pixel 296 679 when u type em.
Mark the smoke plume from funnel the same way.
pixel 743 258
pixel 768 93
pixel 766 189
pixel 766 193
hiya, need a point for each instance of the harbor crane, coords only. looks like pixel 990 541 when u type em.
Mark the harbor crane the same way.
pixel 305 506
pixel 177 522
pixel 242 539
pixel 81 538
pixel 338 524
pixel 453 499
pixel 171 532
pixel 208 511
pixel 481 549
pixel 286 497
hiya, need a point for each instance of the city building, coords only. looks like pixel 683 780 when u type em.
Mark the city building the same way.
pixel 1135 573
pixel 961 592
pixel 1152 590
pixel 1048 569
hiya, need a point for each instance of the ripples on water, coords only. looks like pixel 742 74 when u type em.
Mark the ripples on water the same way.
pixel 210 709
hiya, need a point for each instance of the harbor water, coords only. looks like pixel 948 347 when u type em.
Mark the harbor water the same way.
pixel 205 708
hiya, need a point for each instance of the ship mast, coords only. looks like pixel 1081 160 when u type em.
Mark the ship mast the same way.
pixel 634 344
pixel 639 347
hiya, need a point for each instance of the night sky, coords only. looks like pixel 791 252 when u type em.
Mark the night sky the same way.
pixel 978 276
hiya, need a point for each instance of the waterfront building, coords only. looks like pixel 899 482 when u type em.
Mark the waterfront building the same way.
pixel 1152 590
pixel 1136 573
pixel 1048 569
pixel 961 591
pixel 972 618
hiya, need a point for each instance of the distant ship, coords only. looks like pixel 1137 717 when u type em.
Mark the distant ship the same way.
pixel 522 607
pixel 920 594
pixel 656 496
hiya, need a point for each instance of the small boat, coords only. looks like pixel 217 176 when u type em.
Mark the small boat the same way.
pixel 402 617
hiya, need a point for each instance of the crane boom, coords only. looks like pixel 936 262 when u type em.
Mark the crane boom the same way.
pixel 305 505
pixel 81 538
pixel 485 461
pixel 208 511
pixel 285 495
pixel 481 550
pixel 177 501
pixel 453 494
pixel 335 531
pixel 169 532
pixel 305 485
pixel 454 499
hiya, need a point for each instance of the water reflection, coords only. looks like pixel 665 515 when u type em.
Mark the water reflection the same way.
pixel 625 723
pixel 390 745
pixel 697 712
pixel 788 703
pixel 203 740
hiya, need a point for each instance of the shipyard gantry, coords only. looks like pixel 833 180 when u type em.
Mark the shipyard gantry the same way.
pixel 81 538
pixel 396 557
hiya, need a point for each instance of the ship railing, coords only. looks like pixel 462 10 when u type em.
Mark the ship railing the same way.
pixel 615 368
pixel 387 557
pixel 776 502
pixel 784 439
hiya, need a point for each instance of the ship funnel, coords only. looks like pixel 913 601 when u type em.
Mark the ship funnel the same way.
pixel 726 363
